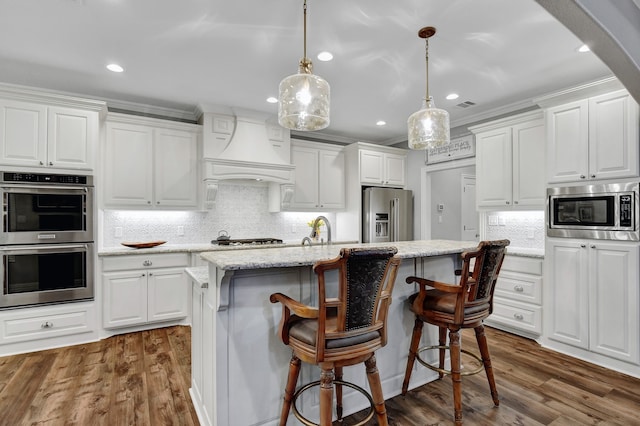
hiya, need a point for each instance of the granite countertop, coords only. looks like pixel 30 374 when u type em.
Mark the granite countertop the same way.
pixel 307 256
pixel 193 248
pixel 525 252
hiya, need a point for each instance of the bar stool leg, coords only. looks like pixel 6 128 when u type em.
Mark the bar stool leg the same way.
pixel 486 360
pixel 338 371
pixel 454 344
pixel 326 395
pixel 376 390
pixel 442 341
pixel 413 350
pixel 289 390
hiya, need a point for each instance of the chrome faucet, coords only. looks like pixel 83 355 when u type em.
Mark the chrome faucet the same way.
pixel 315 225
pixel 306 240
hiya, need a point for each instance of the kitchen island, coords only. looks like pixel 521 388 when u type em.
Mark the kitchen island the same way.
pixel 239 365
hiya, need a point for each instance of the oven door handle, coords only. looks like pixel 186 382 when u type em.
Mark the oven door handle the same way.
pixel 56 247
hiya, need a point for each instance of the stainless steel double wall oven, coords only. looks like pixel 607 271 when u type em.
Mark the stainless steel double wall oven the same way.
pixel 46 240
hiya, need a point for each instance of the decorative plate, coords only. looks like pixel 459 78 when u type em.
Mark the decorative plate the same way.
pixel 148 244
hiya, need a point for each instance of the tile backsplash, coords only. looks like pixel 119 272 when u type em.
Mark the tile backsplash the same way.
pixel 525 229
pixel 241 209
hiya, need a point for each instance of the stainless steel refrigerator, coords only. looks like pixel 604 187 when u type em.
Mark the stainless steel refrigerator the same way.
pixel 387 215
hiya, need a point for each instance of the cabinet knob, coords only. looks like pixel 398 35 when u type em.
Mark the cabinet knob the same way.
pixel 147 263
pixel 583 245
pixel 41 163
pixel 593 246
pixel 519 317
pixel 519 288
pixel 157 202
pixel 148 202
pixel 593 176
pixel 143 275
pixel 47 324
pixel 150 274
pixel 515 202
pixel 508 202
pixel 50 163
pixel 583 177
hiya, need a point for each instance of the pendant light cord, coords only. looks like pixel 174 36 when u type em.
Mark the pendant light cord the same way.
pixel 306 67
pixel 426 56
pixel 305 30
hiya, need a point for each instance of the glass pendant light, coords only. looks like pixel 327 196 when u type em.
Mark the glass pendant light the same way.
pixel 429 127
pixel 303 100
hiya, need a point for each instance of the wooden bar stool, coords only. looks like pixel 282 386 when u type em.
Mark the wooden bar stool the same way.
pixel 341 331
pixel 456 306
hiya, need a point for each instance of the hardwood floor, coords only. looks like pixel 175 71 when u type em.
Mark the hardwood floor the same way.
pixel 132 379
pixel 143 379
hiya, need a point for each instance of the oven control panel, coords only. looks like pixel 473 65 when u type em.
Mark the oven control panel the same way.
pixel 13 177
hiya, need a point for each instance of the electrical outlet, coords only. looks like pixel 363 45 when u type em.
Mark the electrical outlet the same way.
pixel 180 231
pixel 493 220
pixel 118 232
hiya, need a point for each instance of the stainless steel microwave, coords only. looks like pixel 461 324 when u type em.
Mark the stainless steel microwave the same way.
pixel 604 211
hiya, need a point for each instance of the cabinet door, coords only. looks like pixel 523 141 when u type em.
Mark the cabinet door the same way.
pixel 568 292
pixel 494 168
pixel 529 184
pixel 394 170
pixel 568 142
pixel 305 194
pixel 23 134
pixel 128 165
pixel 167 294
pixel 125 298
pixel 371 167
pixel 613 308
pixel 613 136
pixel 72 138
pixel 175 176
pixel 331 179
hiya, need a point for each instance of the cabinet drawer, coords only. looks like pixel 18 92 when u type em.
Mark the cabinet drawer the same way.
pixel 44 323
pixel 517 315
pixel 522 287
pixel 116 263
pixel 525 265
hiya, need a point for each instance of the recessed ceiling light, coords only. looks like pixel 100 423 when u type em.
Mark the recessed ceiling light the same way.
pixel 584 48
pixel 381 123
pixel 325 56
pixel 452 96
pixel 115 68
pixel 272 100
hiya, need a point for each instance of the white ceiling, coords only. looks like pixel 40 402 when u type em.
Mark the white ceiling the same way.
pixel 178 54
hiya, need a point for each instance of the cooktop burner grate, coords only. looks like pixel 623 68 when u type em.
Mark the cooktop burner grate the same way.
pixel 247 242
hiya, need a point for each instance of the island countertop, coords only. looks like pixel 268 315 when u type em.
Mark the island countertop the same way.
pixel 308 255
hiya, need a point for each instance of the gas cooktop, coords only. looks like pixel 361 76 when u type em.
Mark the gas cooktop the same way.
pixel 247 242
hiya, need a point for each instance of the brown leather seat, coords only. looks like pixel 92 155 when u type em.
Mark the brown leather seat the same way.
pixel 343 330
pixel 456 306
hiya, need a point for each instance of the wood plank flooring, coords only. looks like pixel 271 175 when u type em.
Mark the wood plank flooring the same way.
pixel 143 379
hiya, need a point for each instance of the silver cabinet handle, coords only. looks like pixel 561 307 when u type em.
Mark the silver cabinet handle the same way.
pixel 593 246
pixel 51 163
pixel 583 245
pixel 515 202
pixel 593 176
pixel 47 324
pixel 583 177
pixel 508 202
pixel 519 317
pixel 147 263
pixel 41 163
pixel 519 288
pixel 143 275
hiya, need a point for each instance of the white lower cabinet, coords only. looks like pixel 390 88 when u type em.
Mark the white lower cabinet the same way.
pixel 593 297
pixel 517 302
pixel 45 327
pixel 141 289
pixel 202 332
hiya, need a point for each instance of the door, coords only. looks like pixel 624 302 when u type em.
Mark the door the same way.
pixel 469 216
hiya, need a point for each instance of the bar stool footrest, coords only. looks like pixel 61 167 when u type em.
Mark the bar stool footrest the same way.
pixel 308 386
pixel 444 371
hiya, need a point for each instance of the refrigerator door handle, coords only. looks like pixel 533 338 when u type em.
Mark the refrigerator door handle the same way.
pixel 394 219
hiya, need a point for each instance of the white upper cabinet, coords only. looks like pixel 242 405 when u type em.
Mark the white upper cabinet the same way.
pixel 150 164
pixel 380 168
pixel 592 139
pixel 319 176
pixel 510 162
pixel 44 136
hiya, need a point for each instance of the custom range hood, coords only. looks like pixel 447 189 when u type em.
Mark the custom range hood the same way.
pixel 242 144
